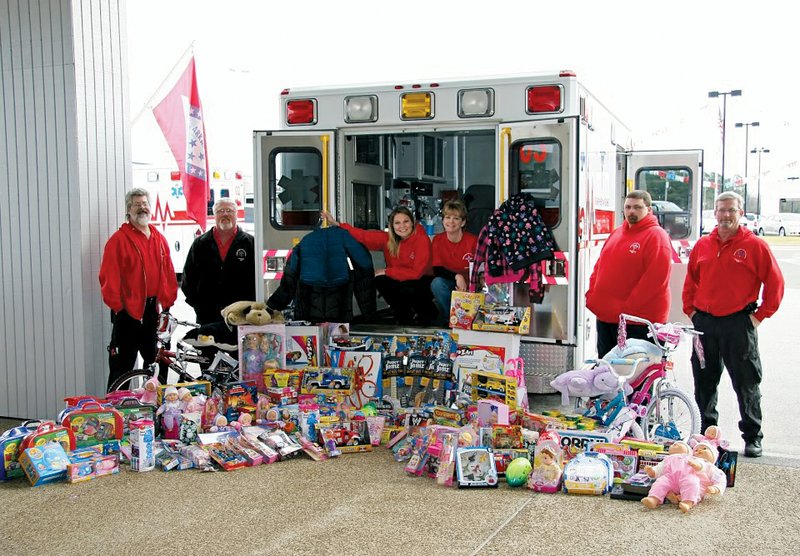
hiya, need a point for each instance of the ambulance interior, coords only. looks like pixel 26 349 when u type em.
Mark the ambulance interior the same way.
pixel 377 172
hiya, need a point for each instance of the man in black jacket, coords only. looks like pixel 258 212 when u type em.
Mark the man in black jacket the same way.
pixel 220 267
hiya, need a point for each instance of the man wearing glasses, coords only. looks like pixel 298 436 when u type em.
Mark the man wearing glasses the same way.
pixel 727 269
pixel 136 277
pixel 220 267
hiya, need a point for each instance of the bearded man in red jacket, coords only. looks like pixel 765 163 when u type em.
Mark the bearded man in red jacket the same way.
pixel 727 270
pixel 136 279
pixel 632 274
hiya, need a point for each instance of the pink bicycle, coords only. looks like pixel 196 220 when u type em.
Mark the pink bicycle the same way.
pixel 666 412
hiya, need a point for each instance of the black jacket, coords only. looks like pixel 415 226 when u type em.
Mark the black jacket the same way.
pixel 210 284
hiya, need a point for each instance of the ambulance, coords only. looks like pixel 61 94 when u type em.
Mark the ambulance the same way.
pixel 169 204
pixel 359 151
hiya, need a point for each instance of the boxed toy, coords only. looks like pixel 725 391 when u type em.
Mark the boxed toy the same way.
pixel 46 432
pixel 726 461
pixel 92 423
pixel 574 442
pixel 624 460
pixel 328 381
pixel 132 409
pixel 482 351
pixel 261 348
pixel 588 473
pixel 44 464
pixel 515 320
pixel 546 474
pixel 463 309
pixel 492 412
pixel 491 386
pixel 10 442
pixel 142 438
pixel 475 467
pixel 303 346
pixel 366 366
pixel 85 465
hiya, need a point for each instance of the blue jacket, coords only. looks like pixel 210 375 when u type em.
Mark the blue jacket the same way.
pixel 318 279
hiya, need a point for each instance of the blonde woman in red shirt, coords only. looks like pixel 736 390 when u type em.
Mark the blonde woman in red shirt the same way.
pixel 405 282
pixel 452 252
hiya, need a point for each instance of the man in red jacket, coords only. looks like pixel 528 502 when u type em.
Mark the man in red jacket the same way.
pixel 136 276
pixel 726 271
pixel 632 274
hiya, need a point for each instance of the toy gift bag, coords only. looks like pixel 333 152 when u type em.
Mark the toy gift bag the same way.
pixel 546 474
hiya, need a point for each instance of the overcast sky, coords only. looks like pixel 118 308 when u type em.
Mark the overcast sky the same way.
pixel 651 63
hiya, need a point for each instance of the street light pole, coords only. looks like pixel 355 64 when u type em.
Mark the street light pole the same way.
pixel 724 95
pixel 759 151
pixel 746 127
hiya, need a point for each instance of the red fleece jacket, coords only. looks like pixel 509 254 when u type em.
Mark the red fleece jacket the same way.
pixel 724 277
pixel 455 257
pixel 122 277
pixel 413 260
pixel 632 274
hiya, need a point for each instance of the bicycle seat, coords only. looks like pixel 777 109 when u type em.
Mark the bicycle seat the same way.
pixel 635 350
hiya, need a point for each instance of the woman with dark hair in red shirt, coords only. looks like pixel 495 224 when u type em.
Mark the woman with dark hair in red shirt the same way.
pixel 405 282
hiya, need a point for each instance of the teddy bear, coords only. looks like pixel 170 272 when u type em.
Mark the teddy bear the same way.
pixel 587 383
pixel 247 312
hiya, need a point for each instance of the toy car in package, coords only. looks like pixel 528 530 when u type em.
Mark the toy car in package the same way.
pixel 588 473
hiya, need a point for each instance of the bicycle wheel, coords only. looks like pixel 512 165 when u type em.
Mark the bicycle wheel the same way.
pixel 131 380
pixel 674 416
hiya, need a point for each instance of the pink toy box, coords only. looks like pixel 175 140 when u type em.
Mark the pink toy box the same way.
pixel 492 412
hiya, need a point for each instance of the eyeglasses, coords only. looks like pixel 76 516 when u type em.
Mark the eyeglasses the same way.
pixel 140 205
pixel 225 211
pixel 730 211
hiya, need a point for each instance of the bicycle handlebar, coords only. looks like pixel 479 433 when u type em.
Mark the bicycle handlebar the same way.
pixel 683 328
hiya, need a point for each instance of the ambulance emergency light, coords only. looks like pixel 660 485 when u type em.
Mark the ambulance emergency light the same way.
pixel 361 109
pixel 543 98
pixel 416 106
pixel 301 111
pixel 475 103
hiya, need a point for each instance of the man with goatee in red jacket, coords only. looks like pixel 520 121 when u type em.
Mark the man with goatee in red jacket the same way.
pixel 632 274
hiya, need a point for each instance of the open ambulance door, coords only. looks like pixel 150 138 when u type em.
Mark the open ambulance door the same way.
pixel 293 180
pixel 674 180
pixel 538 158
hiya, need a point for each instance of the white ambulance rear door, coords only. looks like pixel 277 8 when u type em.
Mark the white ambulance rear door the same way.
pixel 293 180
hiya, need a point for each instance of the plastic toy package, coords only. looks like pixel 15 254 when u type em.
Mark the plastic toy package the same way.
pixel 588 473
pixel 475 467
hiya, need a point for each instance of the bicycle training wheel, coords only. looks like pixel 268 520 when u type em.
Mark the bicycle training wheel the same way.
pixel 674 416
pixel 131 380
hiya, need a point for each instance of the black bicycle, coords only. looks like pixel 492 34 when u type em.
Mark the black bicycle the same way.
pixel 219 371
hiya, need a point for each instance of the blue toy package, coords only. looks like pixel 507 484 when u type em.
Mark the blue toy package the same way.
pixel 588 473
pixel 10 442
pixel 45 464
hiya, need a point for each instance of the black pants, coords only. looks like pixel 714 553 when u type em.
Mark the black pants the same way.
pixel 129 337
pixel 410 300
pixel 731 340
pixel 607 335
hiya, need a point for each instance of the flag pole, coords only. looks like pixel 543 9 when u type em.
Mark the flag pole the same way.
pixel 159 90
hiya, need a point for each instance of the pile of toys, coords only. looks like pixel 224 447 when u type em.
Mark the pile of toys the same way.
pixel 456 413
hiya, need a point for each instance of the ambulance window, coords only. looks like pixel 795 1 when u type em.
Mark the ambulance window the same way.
pixel 368 149
pixel 671 191
pixel 295 178
pixel 535 169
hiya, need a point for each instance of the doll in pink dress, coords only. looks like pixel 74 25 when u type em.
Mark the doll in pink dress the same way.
pixel 678 473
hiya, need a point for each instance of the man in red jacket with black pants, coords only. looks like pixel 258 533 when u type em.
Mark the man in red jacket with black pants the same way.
pixel 136 277
pixel 632 274
pixel 726 271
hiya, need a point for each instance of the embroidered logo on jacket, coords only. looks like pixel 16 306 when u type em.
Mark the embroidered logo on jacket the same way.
pixel 739 255
pixel 241 254
pixel 634 248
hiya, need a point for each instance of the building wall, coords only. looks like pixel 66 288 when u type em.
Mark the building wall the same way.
pixel 64 168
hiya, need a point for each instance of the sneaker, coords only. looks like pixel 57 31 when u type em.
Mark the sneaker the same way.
pixel 752 449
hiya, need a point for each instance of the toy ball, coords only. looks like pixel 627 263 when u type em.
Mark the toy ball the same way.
pixel 517 472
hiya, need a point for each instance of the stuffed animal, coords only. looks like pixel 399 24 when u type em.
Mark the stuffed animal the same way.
pixel 587 383
pixel 246 312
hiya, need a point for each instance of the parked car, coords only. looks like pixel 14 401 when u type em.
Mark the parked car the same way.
pixel 672 218
pixel 782 224
pixel 750 220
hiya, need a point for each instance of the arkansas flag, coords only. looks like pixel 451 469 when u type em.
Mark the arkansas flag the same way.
pixel 180 117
